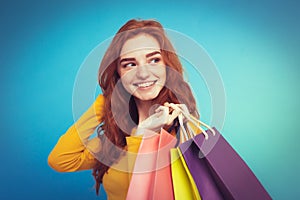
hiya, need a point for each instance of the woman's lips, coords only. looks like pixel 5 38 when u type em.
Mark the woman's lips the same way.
pixel 145 85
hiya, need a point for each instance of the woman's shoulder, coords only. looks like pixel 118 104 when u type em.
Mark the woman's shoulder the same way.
pixel 99 102
pixel 100 99
pixel 99 106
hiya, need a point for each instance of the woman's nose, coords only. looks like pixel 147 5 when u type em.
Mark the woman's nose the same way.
pixel 142 72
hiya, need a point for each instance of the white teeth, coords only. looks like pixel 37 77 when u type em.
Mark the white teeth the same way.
pixel 147 84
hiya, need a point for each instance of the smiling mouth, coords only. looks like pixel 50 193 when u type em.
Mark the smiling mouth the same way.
pixel 145 84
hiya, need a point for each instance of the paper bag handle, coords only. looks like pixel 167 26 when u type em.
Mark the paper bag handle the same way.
pixel 191 119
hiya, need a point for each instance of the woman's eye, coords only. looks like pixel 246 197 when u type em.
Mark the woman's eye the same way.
pixel 129 65
pixel 154 60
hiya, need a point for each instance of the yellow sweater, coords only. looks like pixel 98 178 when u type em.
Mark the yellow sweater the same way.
pixel 74 151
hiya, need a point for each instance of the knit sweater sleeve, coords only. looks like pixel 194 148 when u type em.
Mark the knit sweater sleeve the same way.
pixel 72 152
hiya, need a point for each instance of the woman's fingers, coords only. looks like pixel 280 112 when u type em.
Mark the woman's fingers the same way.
pixel 162 112
pixel 173 116
pixel 167 104
pixel 162 109
pixel 182 108
pixel 164 115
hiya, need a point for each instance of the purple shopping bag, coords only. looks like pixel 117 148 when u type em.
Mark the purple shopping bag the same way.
pixel 226 168
pixel 206 185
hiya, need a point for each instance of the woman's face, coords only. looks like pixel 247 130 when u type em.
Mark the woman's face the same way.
pixel 142 68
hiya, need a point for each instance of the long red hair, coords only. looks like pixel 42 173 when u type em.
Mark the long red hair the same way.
pixel 176 91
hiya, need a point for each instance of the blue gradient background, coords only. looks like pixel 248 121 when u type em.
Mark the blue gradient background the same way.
pixel 255 46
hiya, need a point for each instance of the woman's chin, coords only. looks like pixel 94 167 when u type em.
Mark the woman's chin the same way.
pixel 146 96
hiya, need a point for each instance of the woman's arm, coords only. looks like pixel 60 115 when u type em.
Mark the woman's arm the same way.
pixel 70 153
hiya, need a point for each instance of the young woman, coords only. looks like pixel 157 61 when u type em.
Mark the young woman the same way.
pixel 140 74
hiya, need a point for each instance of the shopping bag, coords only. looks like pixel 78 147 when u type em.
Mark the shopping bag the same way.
pixel 206 185
pixel 163 187
pixel 151 177
pixel 141 183
pixel 183 183
pixel 234 178
pixel 219 172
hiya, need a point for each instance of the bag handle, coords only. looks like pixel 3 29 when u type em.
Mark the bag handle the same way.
pixel 191 119
pixel 184 136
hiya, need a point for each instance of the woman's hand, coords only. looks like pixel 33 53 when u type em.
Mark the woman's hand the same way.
pixel 163 115
pixel 183 107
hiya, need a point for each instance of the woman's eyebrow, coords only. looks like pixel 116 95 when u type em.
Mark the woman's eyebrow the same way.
pixel 152 54
pixel 133 59
pixel 127 59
